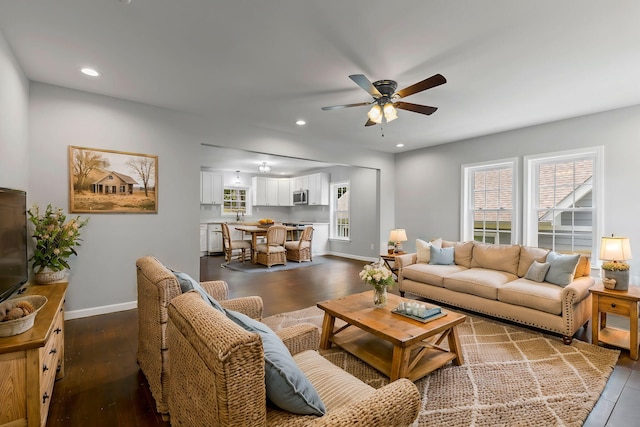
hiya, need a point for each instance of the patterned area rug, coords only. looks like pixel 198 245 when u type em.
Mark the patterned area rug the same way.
pixel 249 267
pixel 511 376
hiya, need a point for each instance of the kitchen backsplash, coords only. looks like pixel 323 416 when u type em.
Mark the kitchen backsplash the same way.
pixel 211 213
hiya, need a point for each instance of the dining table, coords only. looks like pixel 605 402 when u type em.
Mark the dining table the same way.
pixel 257 231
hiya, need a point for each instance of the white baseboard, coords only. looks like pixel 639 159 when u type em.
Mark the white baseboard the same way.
pixel 105 309
pixel 358 257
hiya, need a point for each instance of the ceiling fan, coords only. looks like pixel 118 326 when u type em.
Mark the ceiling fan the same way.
pixel 385 97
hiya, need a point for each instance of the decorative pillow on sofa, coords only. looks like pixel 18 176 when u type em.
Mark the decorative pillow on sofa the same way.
pixel 187 283
pixel 287 386
pixel 562 268
pixel 423 249
pixel 537 271
pixel 441 256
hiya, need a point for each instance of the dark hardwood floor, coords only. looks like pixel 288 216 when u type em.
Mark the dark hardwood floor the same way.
pixel 103 385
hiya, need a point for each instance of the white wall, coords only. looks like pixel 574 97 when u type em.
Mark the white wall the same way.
pixel 104 272
pixel 14 121
pixel 428 180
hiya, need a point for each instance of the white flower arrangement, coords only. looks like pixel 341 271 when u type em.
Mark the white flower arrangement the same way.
pixel 377 275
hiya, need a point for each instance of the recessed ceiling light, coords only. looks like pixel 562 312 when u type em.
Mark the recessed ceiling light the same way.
pixel 399 145
pixel 91 72
pixel 301 122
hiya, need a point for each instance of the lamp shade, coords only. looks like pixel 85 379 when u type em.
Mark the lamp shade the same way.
pixel 398 235
pixel 615 249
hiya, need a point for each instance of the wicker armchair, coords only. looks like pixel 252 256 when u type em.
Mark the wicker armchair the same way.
pixel 217 373
pixel 300 250
pixel 272 251
pixel 157 285
pixel 229 245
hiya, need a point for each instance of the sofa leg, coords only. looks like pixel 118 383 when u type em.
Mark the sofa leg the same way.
pixel 567 340
pixel 401 293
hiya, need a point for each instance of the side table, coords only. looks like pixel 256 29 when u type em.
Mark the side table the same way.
pixel 621 303
pixel 389 259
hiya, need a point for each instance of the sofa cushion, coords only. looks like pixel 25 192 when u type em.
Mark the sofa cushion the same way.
pixel 584 267
pixel 526 293
pixel 562 268
pixel 187 283
pixel 496 257
pixel 478 281
pixel 441 256
pixel 529 254
pixel 429 273
pixel 537 271
pixel 423 249
pixel 462 252
pixel 335 386
pixel 287 386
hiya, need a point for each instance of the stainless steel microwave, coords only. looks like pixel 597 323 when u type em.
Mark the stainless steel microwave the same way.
pixel 301 197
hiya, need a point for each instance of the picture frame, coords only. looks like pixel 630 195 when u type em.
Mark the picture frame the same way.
pixel 110 181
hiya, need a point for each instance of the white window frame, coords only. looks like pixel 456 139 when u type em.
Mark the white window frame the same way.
pixel 466 215
pixel 530 217
pixel 247 204
pixel 334 211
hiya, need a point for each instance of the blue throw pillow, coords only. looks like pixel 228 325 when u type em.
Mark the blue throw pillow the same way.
pixel 287 386
pixel 441 256
pixel 187 283
pixel 562 268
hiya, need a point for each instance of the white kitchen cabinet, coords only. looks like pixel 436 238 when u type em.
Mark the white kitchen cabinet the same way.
pixel 300 183
pixel 271 191
pixel 285 197
pixel 319 188
pixel 210 188
pixel 203 239
pixel 320 241
pixel 214 238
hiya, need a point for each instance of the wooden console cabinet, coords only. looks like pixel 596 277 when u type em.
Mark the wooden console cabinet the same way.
pixel 31 362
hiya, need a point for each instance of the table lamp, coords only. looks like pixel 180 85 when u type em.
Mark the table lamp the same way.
pixel 397 236
pixel 615 271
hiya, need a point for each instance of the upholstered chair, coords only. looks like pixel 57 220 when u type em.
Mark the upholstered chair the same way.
pixel 272 251
pixel 218 376
pixel 157 286
pixel 300 250
pixel 234 245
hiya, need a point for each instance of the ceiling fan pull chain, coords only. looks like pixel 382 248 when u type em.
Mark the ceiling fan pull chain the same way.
pixel 381 130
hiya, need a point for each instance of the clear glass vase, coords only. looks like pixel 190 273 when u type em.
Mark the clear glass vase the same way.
pixel 380 296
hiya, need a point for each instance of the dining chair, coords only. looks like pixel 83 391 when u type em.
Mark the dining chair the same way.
pixel 300 250
pixel 229 245
pixel 272 251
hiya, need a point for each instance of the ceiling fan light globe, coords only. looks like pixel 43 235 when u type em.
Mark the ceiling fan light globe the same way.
pixel 390 113
pixel 375 114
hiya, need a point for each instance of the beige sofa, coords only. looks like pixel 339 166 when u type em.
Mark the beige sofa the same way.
pixel 217 377
pixel 490 279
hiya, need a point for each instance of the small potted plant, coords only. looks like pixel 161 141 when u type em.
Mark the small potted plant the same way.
pixel 56 239
pixel 615 275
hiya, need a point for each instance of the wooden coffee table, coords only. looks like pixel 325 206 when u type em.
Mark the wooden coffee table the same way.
pixel 395 345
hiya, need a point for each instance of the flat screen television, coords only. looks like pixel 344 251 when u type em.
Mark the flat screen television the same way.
pixel 14 259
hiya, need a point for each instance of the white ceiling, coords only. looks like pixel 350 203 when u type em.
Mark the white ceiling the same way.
pixel 256 67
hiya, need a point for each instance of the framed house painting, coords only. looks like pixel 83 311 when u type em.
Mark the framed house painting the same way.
pixel 107 181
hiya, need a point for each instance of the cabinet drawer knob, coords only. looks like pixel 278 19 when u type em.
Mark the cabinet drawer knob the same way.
pixel 45 396
pixel 613 305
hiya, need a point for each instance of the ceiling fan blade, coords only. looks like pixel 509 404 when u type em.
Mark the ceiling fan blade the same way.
pixel 433 81
pixel 370 123
pixel 365 84
pixel 337 107
pixel 422 109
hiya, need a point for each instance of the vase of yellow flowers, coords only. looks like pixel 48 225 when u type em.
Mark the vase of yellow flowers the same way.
pixel 56 239
pixel 380 278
